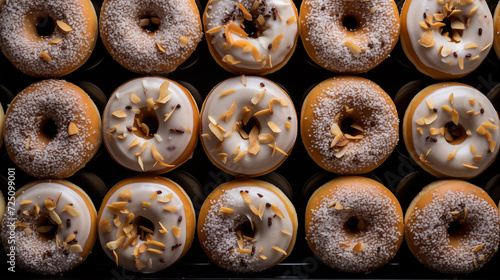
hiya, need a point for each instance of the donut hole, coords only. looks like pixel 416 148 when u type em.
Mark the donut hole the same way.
pixel 146 124
pixel 45 25
pixel 455 134
pixel 46 228
pixel 350 23
pixel 49 128
pixel 354 225
pixel 252 122
pixel 144 226
pixel 149 23
pixel 457 230
pixel 245 227
pixel 347 125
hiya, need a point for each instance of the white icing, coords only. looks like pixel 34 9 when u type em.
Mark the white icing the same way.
pixel 440 150
pixel 170 144
pixel 221 9
pixel 142 191
pixel 31 249
pixel 216 105
pixel 429 56
pixel 220 230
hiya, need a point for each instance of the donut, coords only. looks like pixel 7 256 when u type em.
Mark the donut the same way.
pixel 2 124
pixel 150 36
pixel 247 226
pixel 349 125
pixel 151 125
pixel 348 37
pixel 354 224
pixel 146 223
pixel 47 38
pixel 446 39
pixel 2 206
pixel 452 227
pixel 52 129
pixel 253 37
pixel 248 126
pixel 451 130
pixel 496 30
pixel 53 224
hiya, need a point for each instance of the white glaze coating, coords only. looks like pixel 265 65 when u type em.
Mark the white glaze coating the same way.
pixel 219 10
pixel 222 236
pixel 440 150
pixel 430 57
pixel 23 48
pixel 169 143
pixel 216 105
pixel 142 192
pixel 33 252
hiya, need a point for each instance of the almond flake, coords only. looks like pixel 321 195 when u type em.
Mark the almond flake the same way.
pixel 105 225
pixel 447 108
pixel 453 154
pixel 71 211
pixel 266 138
pixel 353 47
pixel 64 27
pixel 45 56
pixel 478 247
pixel 470 166
pixel 171 209
pixel 134 98
pixel 430 104
pixel 429 119
pixel 75 249
pixel 222 157
pixel 113 245
pixel 72 129
pixel 56 41
pixel 245 12
pixel 226 210
pixel 176 231
pixel 276 41
pixel 230 60
pixel 160 47
pixel 427 39
pixel 119 114
pixel 359 247
pixel 461 63
pixel 471 46
pixel 292 19
pixel 213 30
pixel 279 250
pixel 166 199
pixel 455 116
pixel 273 127
pixel 183 41
pixel 246 197
pixel 277 211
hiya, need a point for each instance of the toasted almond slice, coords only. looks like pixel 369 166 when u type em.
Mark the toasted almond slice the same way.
pixel 26 202
pixel 230 60
pixel 183 41
pixel 273 127
pixel 470 166
pixel 139 264
pixel 171 209
pixel 359 247
pixel 176 231
pixel 166 198
pixel 246 197
pixel 429 119
pixel 44 229
pixel 453 154
pixel 226 210
pixel 72 129
pixel 447 108
pixel 286 232
pixel 245 12
pixel 276 210
pixel 213 30
pixel 71 211
pixel 113 245
pixel 254 210
pixel 279 250
pixel 355 49
pixel 222 157
pixel 455 116
pixel 163 230
pixel 451 98
pixel 430 104
pixel 76 248
pixel 45 56
pixel 216 132
pixel 160 47
pixel 292 19
pixel 461 63
pixel 64 26
pixel 473 149
pixel 119 114
pixel 489 125
pixel 263 112
pixel 244 251
pixel 266 138
pixel 423 25
pixel 49 204
pixel 492 146
pixel 427 39
pixel 478 247
pixel 276 41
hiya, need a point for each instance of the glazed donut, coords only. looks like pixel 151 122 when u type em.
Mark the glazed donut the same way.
pixel 248 126
pixel 52 129
pixel 349 37
pixel 446 39
pixel 152 125
pixel 46 38
pixel 452 227
pixel 451 130
pixel 146 223
pixel 150 36
pixel 349 125
pixel 54 226
pixel 354 224
pixel 253 37
pixel 247 226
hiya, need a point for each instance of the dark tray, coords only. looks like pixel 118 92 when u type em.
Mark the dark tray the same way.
pixel 399 173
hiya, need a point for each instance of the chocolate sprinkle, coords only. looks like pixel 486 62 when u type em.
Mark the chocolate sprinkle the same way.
pixel 68 222
pixel 268 204
pixel 178 130
pixel 176 246
pixel 179 219
pixel 269 221
pixel 158 192
pixel 260 195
